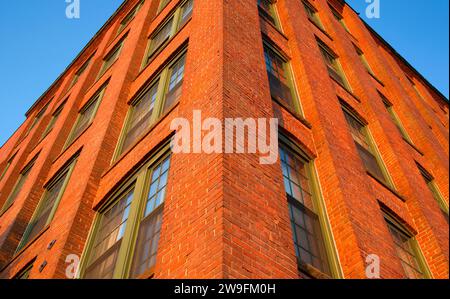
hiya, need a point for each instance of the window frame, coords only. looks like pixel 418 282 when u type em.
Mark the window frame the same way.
pixel 175 17
pixel 395 118
pixel 340 71
pixel 392 221
pixel 430 181
pixel 290 76
pixel 163 78
pixel 81 71
pixel 55 116
pixel 386 179
pixel 66 172
pixel 340 18
pixel 129 17
pixel 8 165
pixel 140 181
pixel 316 16
pixel 97 98
pixel 319 206
pixel 272 16
pixel 117 48
pixel 364 60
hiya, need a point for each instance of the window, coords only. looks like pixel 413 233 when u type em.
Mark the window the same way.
pixel 46 208
pixel 37 118
pixel 390 109
pixel 153 102
pixel 129 17
pixel 340 19
pixel 126 234
pixel 80 72
pixel 267 10
pixel 333 65
pixel 313 14
pixel 111 57
pixel 278 71
pixel 307 229
pixel 53 120
pixel 86 116
pixel 432 186
pixel 365 147
pixel 364 60
pixel 407 251
pixel 25 272
pixel 18 186
pixel 8 165
pixel 167 30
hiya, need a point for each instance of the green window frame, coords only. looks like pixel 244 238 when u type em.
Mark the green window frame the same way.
pixel 313 14
pixel 366 147
pixel 129 17
pixel 25 272
pixel 81 71
pixel 111 57
pixel 53 120
pixel 154 101
pixel 129 222
pixel 23 176
pixel 395 118
pixel 434 189
pixel 267 9
pixel 158 40
pixel 46 209
pixel 162 5
pixel 407 249
pixel 37 119
pixel 86 116
pixel 339 18
pixel 281 81
pixel 8 165
pixel 312 235
pixel 364 60
pixel 333 64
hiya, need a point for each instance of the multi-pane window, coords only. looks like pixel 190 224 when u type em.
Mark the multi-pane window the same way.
pixel 18 186
pixel 111 57
pixel 365 147
pixel 129 17
pixel 86 116
pixel 333 65
pixel 155 100
pixel 278 71
pixel 37 118
pixel 80 72
pixel 407 251
pixel 53 120
pixel 364 60
pixel 168 29
pixel 8 165
pixel 306 227
pixel 340 19
pixel 313 14
pixel 46 208
pixel 267 10
pixel 126 235
pixel 432 186
pixel 390 109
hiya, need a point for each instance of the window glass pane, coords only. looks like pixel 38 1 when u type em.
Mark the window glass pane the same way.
pixel 150 227
pixel 267 10
pixel 278 78
pixel 406 253
pixel 160 38
pixel 18 187
pixel 334 68
pixel 111 58
pixel 108 239
pixel 175 83
pixel 141 116
pixel 163 4
pixel 186 12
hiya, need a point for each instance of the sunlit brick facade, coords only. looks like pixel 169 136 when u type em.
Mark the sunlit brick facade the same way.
pixel 362 174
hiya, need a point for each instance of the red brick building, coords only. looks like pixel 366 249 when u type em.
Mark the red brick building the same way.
pixel 362 176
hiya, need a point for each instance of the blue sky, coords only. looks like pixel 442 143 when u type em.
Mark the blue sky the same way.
pixel 38 43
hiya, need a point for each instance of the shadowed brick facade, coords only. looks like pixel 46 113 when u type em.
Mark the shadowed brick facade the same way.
pixel 226 215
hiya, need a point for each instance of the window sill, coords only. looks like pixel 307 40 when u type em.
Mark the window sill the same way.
pixel 385 185
pixel 294 114
pixel 312 271
pixel 413 146
pixel 346 89
pixel 31 242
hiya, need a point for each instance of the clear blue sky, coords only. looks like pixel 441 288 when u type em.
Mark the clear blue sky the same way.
pixel 38 42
